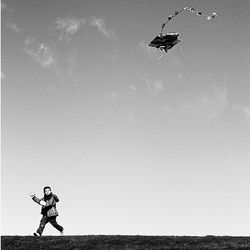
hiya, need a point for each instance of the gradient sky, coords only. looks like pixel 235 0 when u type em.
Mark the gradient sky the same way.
pixel 131 142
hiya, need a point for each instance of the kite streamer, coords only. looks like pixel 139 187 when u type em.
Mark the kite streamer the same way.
pixel 191 10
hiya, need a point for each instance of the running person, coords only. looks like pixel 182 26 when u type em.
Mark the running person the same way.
pixel 49 211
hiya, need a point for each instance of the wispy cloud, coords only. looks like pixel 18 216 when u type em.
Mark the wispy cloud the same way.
pixel 244 110
pixel 7 7
pixel 13 26
pixel 155 86
pixel 2 75
pixel 99 23
pixel 72 62
pixel 68 27
pixel 132 89
pixel 110 96
pixel 3 5
pixel 204 104
pixel 9 20
pixel 130 114
pixel 40 52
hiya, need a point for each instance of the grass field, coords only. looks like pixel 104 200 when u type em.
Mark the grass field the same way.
pixel 106 242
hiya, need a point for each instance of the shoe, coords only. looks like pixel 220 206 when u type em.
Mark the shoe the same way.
pixel 36 234
pixel 62 233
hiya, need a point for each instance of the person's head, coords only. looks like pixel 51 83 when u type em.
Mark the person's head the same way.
pixel 47 190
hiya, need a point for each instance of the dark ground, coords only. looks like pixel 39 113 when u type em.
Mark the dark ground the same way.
pixel 106 242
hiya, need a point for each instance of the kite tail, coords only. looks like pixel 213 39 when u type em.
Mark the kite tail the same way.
pixel 191 10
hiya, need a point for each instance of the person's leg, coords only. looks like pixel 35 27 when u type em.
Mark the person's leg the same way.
pixel 43 222
pixel 53 222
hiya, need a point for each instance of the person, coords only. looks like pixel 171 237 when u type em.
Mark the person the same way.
pixel 49 211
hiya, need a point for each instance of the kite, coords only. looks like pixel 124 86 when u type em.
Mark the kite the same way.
pixel 169 40
pixel 165 42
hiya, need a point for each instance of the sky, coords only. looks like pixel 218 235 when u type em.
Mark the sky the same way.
pixel 132 140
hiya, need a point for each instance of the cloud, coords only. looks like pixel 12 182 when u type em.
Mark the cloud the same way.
pixel 13 26
pixel 66 65
pixel 72 62
pixel 110 96
pixel 244 110
pixel 155 87
pixel 113 55
pixel 132 89
pixel 101 26
pixel 10 22
pixel 130 114
pixel 2 76
pixel 3 6
pixel 68 27
pixel 40 52
pixel 204 101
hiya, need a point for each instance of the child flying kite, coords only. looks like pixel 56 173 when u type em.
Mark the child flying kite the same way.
pixel 49 211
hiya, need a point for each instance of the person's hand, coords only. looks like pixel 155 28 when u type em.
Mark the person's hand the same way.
pixel 42 203
pixel 32 195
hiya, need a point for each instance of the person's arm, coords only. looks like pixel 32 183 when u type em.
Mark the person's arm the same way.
pixel 55 197
pixel 36 199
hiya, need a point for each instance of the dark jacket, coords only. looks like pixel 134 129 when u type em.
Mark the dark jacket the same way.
pixel 49 209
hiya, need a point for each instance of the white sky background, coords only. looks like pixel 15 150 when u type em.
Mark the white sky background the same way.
pixel 130 143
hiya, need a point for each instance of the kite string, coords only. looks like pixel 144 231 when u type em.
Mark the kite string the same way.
pixel 191 10
pixel 91 143
pixel 106 121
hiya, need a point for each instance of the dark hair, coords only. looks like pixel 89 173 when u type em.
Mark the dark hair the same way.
pixel 46 188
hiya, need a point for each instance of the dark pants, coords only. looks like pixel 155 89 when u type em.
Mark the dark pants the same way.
pixel 52 221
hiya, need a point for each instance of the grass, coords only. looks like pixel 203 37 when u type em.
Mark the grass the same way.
pixel 123 242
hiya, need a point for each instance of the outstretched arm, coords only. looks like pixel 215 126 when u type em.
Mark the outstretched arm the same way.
pixel 41 202
pixel 35 199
